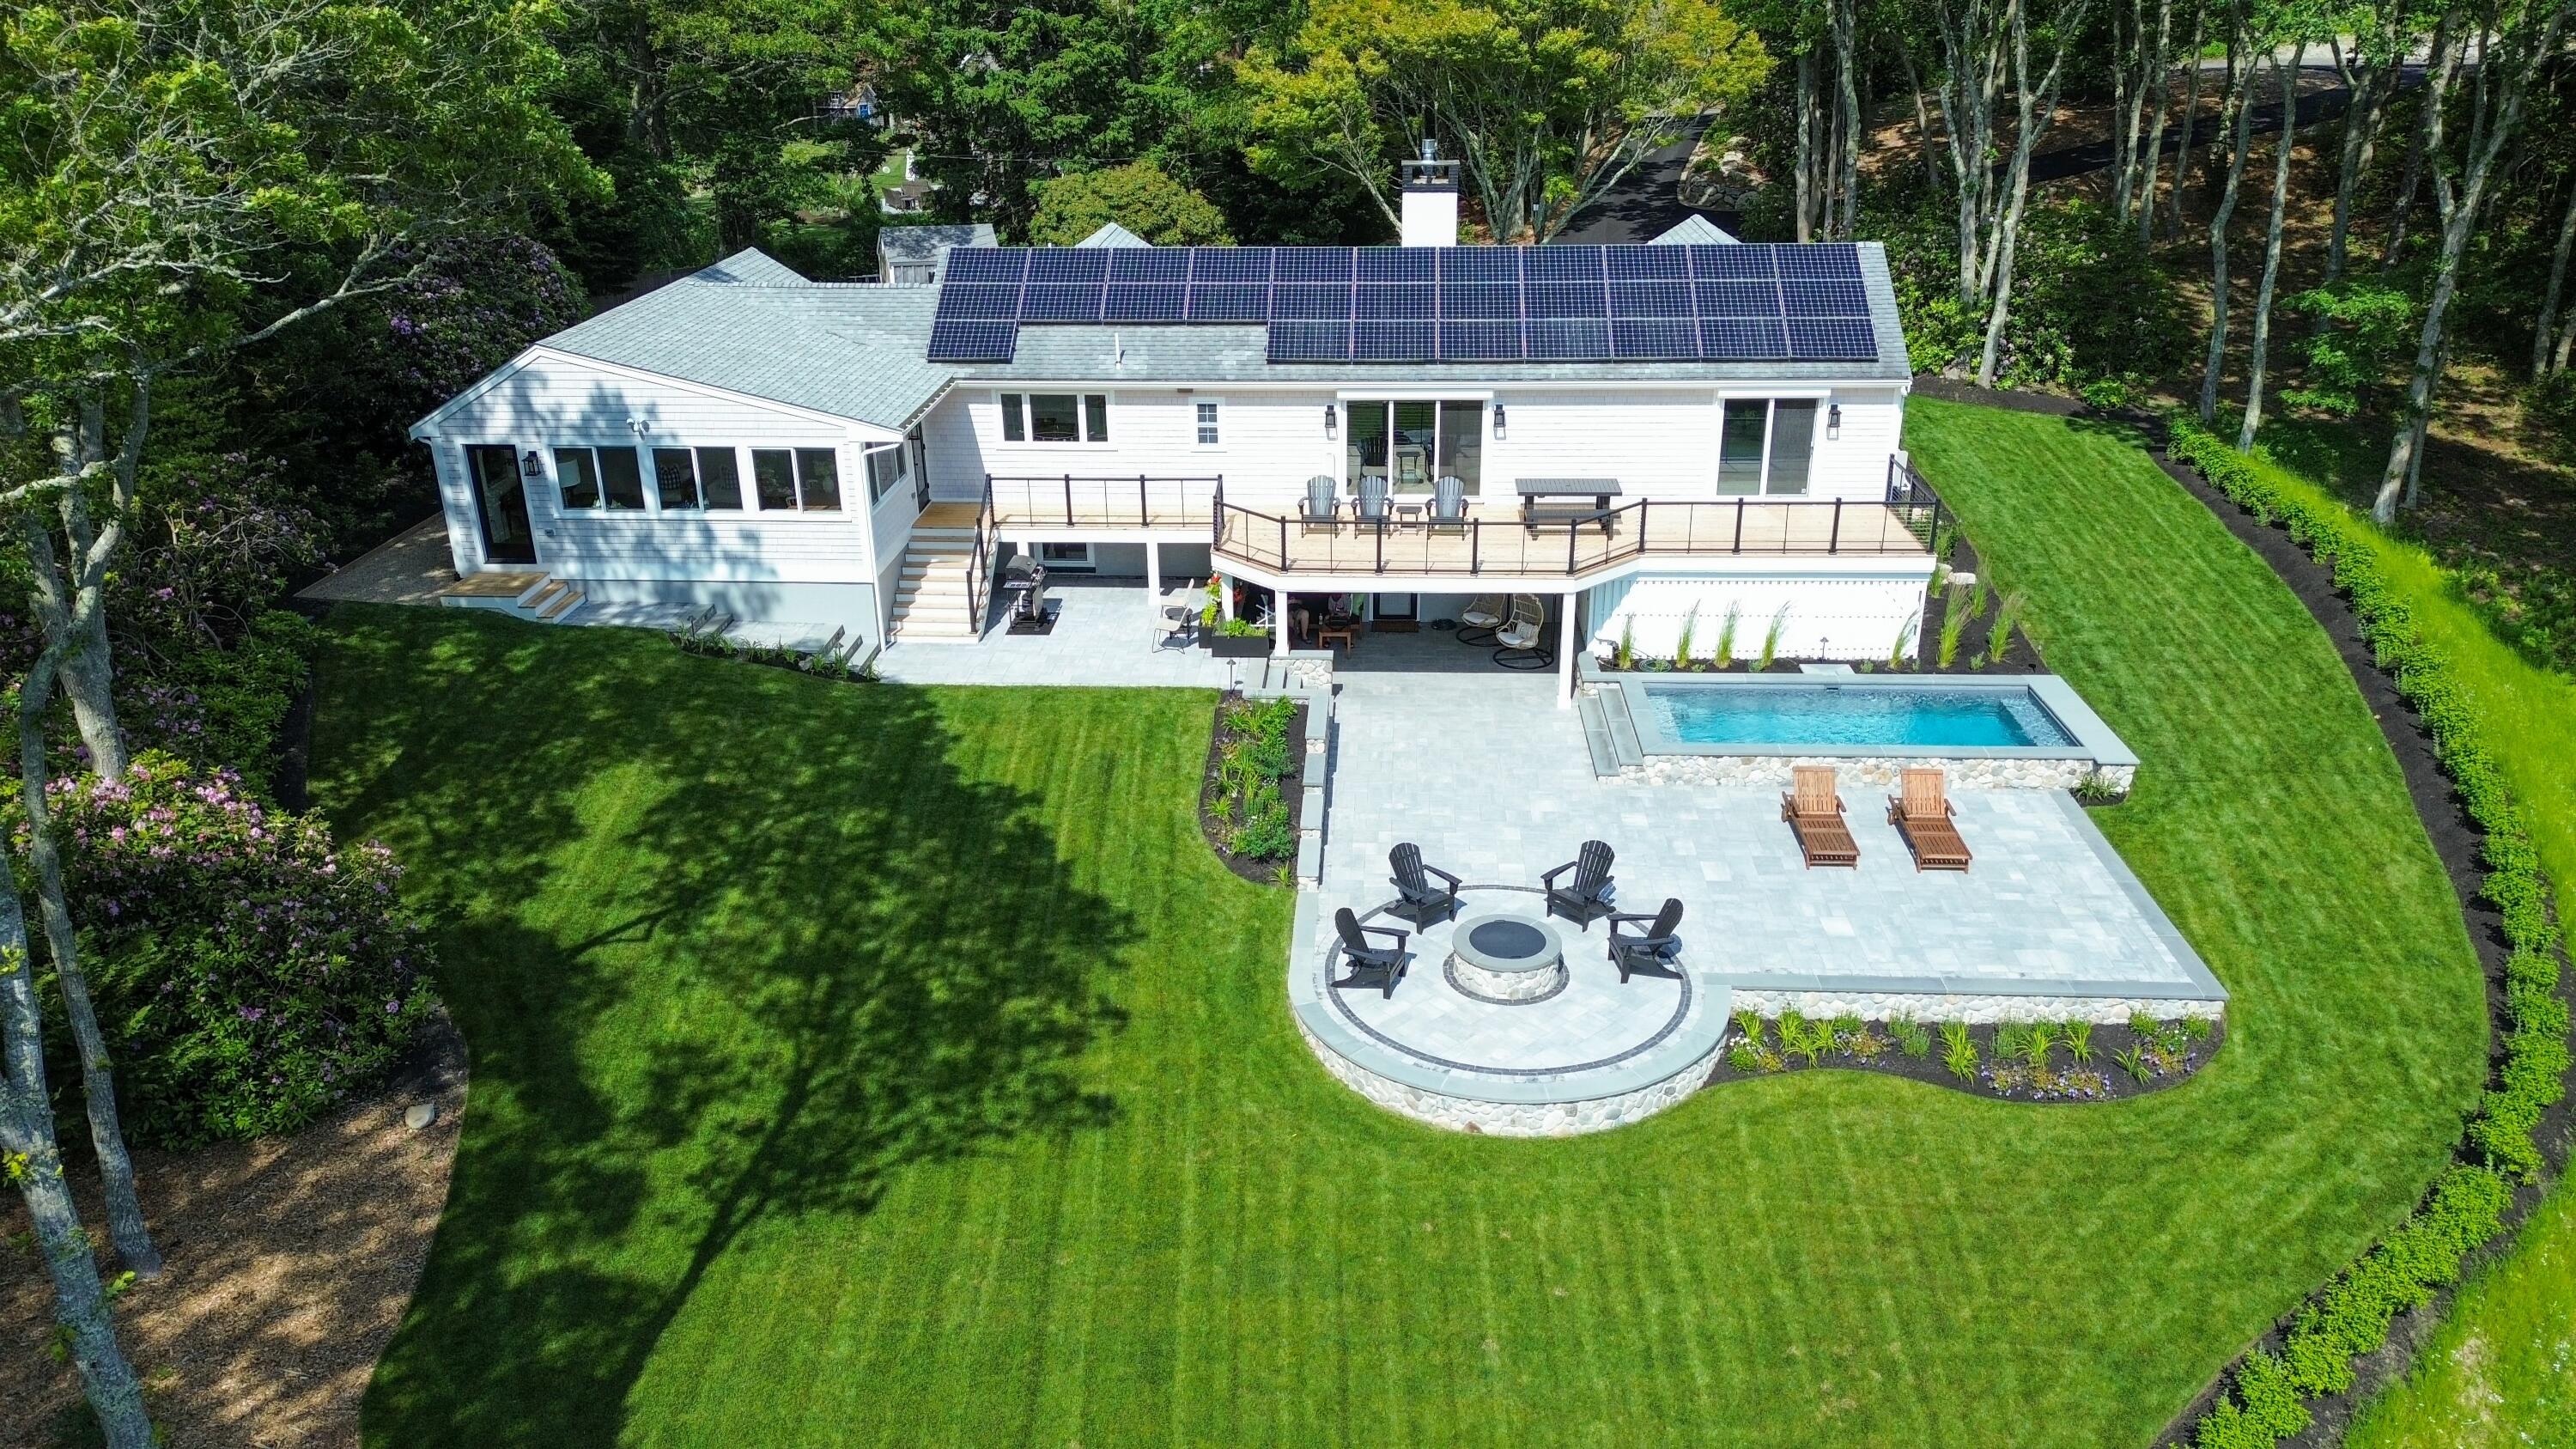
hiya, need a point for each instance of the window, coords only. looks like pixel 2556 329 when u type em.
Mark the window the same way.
pixel 1766 445
pixel 1413 444
pixel 1207 425
pixel 1065 555
pixel 719 478
pixel 786 480
pixel 1055 417
pixel 693 478
pixel 887 470
pixel 591 477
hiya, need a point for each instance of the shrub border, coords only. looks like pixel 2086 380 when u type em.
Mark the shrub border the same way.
pixel 2263 1398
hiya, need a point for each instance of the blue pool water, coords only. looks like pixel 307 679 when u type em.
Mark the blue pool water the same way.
pixel 1824 714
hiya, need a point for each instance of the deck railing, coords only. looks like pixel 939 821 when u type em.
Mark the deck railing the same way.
pixel 979 563
pixel 1071 500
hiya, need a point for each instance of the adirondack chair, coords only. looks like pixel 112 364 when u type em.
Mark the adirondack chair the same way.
pixel 1586 898
pixel 1815 813
pixel 1922 814
pixel 1419 897
pixel 1370 506
pixel 1653 951
pixel 1370 965
pixel 1449 502
pixel 1323 505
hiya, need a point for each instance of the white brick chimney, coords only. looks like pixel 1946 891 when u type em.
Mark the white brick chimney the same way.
pixel 1430 199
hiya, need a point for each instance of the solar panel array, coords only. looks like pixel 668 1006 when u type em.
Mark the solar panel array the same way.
pixel 1749 303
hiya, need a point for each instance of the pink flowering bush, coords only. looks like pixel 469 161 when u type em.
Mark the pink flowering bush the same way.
pixel 250 974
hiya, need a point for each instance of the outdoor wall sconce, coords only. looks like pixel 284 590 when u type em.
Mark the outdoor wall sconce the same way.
pixel 530 466
pixel 1498 421
pixel 1833 420
pixel 1332 416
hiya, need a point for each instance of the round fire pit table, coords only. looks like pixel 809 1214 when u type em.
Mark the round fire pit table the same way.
pixel 1505 956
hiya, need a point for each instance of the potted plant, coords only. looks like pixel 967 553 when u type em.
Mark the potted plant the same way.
pixel 1237 639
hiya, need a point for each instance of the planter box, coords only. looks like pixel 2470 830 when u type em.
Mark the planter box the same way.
pixel 1239 646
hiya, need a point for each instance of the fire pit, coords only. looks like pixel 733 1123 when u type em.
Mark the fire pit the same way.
pixel 1506 956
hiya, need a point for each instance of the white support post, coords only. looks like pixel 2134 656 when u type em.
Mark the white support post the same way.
pixel 1279 618
pixel 1225 597
pixel 1565 652
pixel 1154 592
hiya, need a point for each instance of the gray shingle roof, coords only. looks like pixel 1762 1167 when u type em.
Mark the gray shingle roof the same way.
pixel 751 325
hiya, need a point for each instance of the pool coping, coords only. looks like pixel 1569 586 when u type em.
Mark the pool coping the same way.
pixel 2095 740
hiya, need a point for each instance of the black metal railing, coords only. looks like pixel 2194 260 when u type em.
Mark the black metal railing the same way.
pixel 978 563
pixel 1502 543
pixel 1906 491
pixel 1071 500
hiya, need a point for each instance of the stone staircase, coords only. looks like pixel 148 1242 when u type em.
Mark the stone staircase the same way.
pixel 930 603
pixel 536 597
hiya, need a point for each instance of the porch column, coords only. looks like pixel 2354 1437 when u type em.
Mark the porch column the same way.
pixel 1279 618
pixel 1154 585
pixel 1565 651
pixel 1225 597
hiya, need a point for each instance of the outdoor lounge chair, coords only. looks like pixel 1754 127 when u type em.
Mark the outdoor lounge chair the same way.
pixel 1586 898
pixel 1422 900
pixel 1449 502
pixel 1815 812
pixel 1653 952
pixel 1922 814
pixel 1484 614
pixel 1370 504
pixel 1522 641
pixel 1323 506
pixel 1370 965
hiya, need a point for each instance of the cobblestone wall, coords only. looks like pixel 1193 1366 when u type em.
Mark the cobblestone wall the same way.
pixel 1511 1119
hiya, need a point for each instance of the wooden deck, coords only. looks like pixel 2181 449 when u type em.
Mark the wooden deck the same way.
pixel 1495 542
pixel 492 585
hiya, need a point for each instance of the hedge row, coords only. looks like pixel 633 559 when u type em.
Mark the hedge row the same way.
pixel 2351 1316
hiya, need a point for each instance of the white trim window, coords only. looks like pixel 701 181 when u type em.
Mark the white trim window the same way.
pixel 889 471
pixel 1069 557
pixel 1055 417
pixel 1207 418
pixel 793 480
pixel 693 480
pixel 603 478
pixel 1766 445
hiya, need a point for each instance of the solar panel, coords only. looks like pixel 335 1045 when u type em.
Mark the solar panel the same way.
pixel 1562 264
pixel 1060 303
pixel 1368 301
pixel 1390 339
pixel 1395 264
pixel 1650 299
pixel 1310 341
pixel 1646 263
pixel 1653 337
pixel 1479 264
pixel 1831 339
pixel 987 264
pixel 1730 263
pixel 1564 299
pixel 1164 302
pixel 1738 299
pixel 1310 265
pixel 1229 304
pixel 957 341
pixel 1237 265
pixel 991 302
pixel 1473 340
pixel 1838 261
pixel 1288 301
pixel 1567 339
pixel 1148 264
pixel 1068 265
pixel 1741 339
pixel 1479 299
pixel 1805 298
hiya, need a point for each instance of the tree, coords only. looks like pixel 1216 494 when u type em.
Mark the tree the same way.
pixel 2240 119
pixel 195 176
pixel 1546 103
pixel 2038 103
pixel 2371 73
pixel 2289 77
pixel 1137 196
pixel 2512 48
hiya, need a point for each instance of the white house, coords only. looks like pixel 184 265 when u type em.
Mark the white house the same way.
pixel 1639 434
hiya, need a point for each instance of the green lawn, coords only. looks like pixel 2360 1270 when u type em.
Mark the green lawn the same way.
pixel 877 1065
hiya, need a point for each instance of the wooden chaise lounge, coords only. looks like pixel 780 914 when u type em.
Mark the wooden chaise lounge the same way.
pixel 1922 814
pixel 1815 812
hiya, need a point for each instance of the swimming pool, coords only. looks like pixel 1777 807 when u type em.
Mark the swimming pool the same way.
pixel 1911 716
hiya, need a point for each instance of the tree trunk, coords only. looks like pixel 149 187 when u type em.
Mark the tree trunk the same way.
pixel 1847 57
pixel 1806 162
pixel 125 1223
pixel 2154 160
pixel 2371 83
pixel 2125 113
pixel 2272 245
pixel 2035 114
pixel 2441 69
pixel 2190 111
pixel 2541 330
pixel 27 1141
pixel 1922 116
pixel 2242 117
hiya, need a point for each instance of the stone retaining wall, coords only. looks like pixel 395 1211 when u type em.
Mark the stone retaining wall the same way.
pixel 1511 1119
pixel 1857 771
pixel 1974 1010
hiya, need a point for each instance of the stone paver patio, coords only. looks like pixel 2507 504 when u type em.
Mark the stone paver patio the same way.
pixel 1104 635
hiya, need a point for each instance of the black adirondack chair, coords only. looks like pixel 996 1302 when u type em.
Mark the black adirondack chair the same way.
pixel 1422 900
pixel 1370 965
pixel 1653 952
pixel 1587 897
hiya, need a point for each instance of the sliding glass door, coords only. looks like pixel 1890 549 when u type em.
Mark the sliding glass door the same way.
pixel 1412 442
pixel 1766 445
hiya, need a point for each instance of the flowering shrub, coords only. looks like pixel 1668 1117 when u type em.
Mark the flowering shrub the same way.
pixel 249 974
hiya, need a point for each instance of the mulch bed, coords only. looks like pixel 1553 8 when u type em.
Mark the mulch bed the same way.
pixel 1291 793
pixel 2107 1041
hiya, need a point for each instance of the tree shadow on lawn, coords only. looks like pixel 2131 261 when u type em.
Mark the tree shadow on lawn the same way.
pixel 730 946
